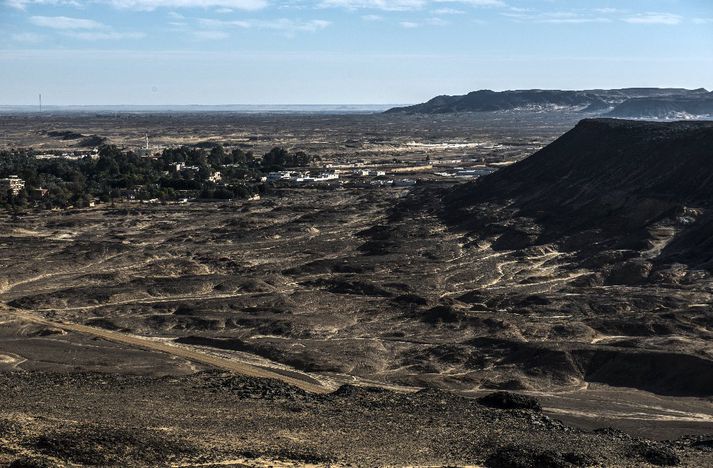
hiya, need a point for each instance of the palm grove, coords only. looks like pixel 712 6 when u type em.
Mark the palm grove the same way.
pixel 116 174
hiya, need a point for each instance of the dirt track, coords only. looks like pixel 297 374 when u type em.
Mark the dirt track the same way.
pixel 313 385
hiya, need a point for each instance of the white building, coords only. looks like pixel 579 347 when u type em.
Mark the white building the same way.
pixel 12 184
pixel 280 175
pixel 297 177
pixel 145 152
pixel 324 176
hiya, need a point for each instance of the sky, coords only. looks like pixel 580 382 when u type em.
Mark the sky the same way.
pixel 174 52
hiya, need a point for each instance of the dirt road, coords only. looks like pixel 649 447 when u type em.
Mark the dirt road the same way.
pixel 308 384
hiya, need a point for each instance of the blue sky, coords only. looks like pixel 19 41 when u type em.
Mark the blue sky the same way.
pixel 342 51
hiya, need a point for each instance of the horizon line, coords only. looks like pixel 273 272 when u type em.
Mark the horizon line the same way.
pixel 345 104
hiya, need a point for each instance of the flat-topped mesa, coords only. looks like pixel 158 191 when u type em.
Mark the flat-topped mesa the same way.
pixel 605 182
pixel 592 101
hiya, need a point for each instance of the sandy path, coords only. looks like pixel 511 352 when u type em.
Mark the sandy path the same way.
pixel 192 355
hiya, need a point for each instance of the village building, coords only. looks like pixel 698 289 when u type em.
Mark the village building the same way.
pixel 12 184
pixel 279 175
pixel 38 193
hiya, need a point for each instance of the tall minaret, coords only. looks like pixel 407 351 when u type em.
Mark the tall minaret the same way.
pixel 40 102
pixel 147 143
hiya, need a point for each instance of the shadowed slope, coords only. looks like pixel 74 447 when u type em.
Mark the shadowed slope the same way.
pixel 604 184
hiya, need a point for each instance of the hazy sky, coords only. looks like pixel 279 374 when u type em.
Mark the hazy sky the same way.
pixel 342 51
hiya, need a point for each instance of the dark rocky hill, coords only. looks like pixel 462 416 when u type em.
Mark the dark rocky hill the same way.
pixel 595 100
pixel 608 184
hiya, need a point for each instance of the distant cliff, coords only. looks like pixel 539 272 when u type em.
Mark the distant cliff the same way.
pixel 596 100
pixel 681 107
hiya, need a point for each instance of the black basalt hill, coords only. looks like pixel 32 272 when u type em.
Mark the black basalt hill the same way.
pixel 606 184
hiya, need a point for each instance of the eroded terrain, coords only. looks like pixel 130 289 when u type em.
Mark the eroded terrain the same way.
pixel 336 285
pixel 130 312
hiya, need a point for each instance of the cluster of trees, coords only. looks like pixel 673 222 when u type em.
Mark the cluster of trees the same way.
pixel 279 158
pixel 65 181
pixel 116 174
pixel 215 158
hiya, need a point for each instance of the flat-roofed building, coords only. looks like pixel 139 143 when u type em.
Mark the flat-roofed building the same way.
pixel 12 184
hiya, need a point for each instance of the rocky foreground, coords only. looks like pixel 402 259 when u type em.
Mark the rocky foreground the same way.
pixel 212 418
